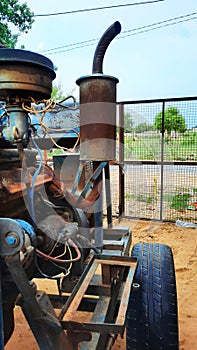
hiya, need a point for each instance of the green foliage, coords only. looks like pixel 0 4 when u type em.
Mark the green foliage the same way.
pixel 144 127
pixel 128 147
pixel 173 121
pixel 128 122
pixel 57 92
pixel 146 199
pixel 189 138
pixel 180 201
pixel 54 152
pixel 149 147
pixel 129 196
pixel 16 14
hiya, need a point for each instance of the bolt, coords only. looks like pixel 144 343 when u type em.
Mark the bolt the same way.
pixel 12 239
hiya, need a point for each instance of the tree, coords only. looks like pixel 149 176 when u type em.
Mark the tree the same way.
pixel 57 92
pixel 128 122
pixel 19 15
pixel 144 127
pixel 173 121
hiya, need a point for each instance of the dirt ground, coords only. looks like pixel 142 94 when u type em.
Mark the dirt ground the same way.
pixel 183 242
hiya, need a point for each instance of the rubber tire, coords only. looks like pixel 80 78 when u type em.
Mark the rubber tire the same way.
pixel 152 316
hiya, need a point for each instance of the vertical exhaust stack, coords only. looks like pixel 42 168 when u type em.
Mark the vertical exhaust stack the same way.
pixel 98 106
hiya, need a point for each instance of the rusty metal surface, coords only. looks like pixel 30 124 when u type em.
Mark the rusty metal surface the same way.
pixel 102 323
pixel 11 181
pixel 24 73
pixel 38 311
pixel 70 308
pixel 97 117
pixel 97 88
pixel 16 116
pixel 13 190
pixel 125 297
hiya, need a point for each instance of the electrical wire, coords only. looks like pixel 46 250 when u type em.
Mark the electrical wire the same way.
pixel 97 8
pixel 70 266
pixel 53 248
pixel 159 26
pixel 45 130
pixel 31 190
pixel 160 22
pixel 126 33
pixel 50 105
pixel 61 261
pixel 62 254
pixel 59 276
pixel 74 44
pixel 59 103
pixel 52 277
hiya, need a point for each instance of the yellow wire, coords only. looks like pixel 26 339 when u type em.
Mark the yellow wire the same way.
pixel 50 104
pixel 71 257
pixel 59 256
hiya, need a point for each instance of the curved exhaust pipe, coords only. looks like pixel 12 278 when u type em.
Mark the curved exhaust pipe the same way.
pixel 102 46
pixel 98 106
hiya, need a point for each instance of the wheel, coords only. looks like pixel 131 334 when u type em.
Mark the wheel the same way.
pixel 152 321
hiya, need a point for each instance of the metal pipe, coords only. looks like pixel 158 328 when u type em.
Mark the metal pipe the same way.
pixel 121 161
pixel 162 161
pixel 98 106
pixel 98 222
pixel 98 213
pixel 102 46
pixel 108 195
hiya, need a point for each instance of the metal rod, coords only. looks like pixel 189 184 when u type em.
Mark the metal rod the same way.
pixel 78 177
pixel 173 99
pixel 162 161
pixel 98 214
pixel 121 160
pixel 108 195
pixel 90 181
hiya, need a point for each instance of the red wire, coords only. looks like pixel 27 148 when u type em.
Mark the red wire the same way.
pixel 60 260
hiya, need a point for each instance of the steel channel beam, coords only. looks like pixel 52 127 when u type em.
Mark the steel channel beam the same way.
pixel 102 323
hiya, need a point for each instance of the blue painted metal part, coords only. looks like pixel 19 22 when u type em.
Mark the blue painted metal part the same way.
pixel 29 230
pixel 11 240
pixel 98 209
pixel 93 177
pixel 78 176
pixel 98 222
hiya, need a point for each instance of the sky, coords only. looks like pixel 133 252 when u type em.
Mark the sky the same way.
pixel 154 64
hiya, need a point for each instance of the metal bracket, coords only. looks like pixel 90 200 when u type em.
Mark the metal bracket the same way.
pixel 38 310
pixel 108 286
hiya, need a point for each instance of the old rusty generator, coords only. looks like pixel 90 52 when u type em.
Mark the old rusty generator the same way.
pixel 48 230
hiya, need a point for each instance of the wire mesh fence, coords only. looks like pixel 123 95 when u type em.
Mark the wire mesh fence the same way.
pixel 158 159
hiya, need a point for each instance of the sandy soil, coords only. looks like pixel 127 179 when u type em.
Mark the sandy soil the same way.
pixel 183 242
